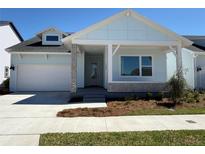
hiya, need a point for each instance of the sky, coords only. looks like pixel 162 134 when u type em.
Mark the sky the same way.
pixel 31 21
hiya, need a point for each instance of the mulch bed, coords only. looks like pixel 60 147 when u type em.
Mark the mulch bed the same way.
pixel 120 108
pixel 115 108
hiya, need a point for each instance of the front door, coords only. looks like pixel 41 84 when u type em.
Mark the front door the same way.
pixel 93 69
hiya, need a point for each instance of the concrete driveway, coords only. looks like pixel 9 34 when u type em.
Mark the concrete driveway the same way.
pixel 22 115
pixel 36 98
pixel 38 104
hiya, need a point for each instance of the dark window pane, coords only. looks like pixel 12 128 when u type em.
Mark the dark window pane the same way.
pixel 146 60
pixel 146 71
pixel 51 38
pixel 94 71
pixel 129 66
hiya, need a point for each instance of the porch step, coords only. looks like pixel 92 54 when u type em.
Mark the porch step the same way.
pixel 94 98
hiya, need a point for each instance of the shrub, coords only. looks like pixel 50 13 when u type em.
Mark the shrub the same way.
pixel 159 96
pixel 191 96
pixel 6 83
pixel 5 87
pixel 149 95
pixel 177 86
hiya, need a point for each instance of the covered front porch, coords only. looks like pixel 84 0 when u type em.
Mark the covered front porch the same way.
pixel 124 66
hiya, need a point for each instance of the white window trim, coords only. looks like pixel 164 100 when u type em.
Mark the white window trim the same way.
pixel 140 66
pixel 147 66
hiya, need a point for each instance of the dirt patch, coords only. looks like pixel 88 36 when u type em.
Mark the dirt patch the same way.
pixel 115 108
pixel 121 108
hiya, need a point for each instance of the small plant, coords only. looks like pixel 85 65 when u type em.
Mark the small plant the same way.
pixel 130 97
pixel 191 96
pixel 5 87
pixel 159 96
pixel 149 95
pixel 177 86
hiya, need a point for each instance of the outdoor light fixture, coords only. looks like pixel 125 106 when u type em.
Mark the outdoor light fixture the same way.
pixel 12 67
pixel 198 69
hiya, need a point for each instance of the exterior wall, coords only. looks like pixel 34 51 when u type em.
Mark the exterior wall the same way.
pixel 200 62
pixel 188 67
pixel 136 87
pixel 105 68
pixel 7 39
pixel 126 28
pixel 171 64
pixel 158 64
pixel 80 70
pixel 52 59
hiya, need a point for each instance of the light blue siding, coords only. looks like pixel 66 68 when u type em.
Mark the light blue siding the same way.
pixel 126 28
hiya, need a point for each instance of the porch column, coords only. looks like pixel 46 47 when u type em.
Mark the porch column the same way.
pixel 74 68
pixel 109 63
pixel 179 58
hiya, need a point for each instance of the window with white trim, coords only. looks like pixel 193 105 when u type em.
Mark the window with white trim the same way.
pixel 136 66
pixel 130 66
pixel 6 72
pixel 146 65
pixel 52 38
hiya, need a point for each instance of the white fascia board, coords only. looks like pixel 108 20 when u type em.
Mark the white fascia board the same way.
pixel 39 53
pixel 199 53
pixel 125 42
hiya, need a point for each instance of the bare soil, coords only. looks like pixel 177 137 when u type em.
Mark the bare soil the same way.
pixel 121 108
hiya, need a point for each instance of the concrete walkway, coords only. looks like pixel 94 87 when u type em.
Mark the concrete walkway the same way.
pixel 25 131
pixel 22 124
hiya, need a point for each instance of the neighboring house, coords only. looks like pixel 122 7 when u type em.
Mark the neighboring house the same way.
pixel 199 59
pixel 124 53
pixel 8 36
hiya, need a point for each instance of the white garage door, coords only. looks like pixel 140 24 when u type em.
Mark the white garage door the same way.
pixel 43 77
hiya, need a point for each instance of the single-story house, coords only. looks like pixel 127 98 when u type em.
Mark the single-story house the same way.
pixel 8 36
pixel 123 53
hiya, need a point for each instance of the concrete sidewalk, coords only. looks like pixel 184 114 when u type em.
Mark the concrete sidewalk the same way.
pixel 25 131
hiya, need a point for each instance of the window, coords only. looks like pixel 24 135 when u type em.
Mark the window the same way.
pixel 130 66
pixel 6 72
pixel 146 65
pixel 94 71
pixel 136 66
pixel 52 38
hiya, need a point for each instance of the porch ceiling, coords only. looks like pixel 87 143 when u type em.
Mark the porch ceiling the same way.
pixel 93 48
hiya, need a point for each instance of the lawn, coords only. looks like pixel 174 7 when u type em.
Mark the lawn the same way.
pixel 168 112
pixel 147 138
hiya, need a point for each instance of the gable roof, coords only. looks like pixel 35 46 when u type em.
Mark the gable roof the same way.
pixel 199 42
pixel 9 23
pixel 35 44
pixel 52 29
pixel 136 15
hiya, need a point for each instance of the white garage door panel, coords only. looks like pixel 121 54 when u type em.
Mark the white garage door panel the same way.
pixel 43 78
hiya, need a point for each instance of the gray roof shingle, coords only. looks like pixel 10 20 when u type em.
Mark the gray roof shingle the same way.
pixel 35 45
